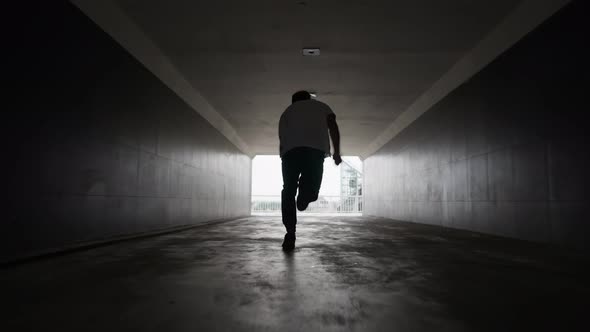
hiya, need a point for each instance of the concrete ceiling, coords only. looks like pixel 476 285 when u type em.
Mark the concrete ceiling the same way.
pixel 378 57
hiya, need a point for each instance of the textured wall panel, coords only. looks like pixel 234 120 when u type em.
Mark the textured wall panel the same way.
pixel 506 152
pixel 98 147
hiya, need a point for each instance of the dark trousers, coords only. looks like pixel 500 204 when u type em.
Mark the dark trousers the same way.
pixel 303 167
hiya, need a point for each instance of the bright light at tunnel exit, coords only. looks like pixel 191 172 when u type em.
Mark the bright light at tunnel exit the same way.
pixel 337 182
pixel 267 177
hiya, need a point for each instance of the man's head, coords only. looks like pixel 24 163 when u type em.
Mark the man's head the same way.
pixel 300 95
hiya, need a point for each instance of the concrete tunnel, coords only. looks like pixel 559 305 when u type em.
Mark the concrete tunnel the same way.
pixel 131 128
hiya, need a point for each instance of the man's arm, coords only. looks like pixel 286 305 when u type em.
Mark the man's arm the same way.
pixel 335 135
pixel 281 131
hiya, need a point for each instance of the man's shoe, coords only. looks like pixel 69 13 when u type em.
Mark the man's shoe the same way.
pixel 302 203
pixel 289 242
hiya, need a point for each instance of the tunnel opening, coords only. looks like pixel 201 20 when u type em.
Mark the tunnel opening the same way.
pixel 341 192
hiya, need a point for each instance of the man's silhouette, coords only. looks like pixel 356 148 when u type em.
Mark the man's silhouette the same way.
pixel 303 133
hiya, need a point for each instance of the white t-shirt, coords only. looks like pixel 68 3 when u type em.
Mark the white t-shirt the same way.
pixel 305 123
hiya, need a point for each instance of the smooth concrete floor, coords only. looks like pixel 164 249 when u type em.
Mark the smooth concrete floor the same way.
pixel 346 274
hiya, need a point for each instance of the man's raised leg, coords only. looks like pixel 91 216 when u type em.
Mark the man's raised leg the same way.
pixel 311 179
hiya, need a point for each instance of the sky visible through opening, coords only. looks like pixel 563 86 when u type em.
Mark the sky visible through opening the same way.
pixel 267 179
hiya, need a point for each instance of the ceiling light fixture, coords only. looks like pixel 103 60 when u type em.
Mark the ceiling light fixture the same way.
pixel 311 51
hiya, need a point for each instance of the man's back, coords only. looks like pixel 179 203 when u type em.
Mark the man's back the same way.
pixel 304 123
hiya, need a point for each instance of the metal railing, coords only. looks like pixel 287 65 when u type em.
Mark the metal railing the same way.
pixel 324 204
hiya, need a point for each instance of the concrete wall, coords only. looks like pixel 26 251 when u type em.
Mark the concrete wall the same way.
pixel 506 153
pixel 97 147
